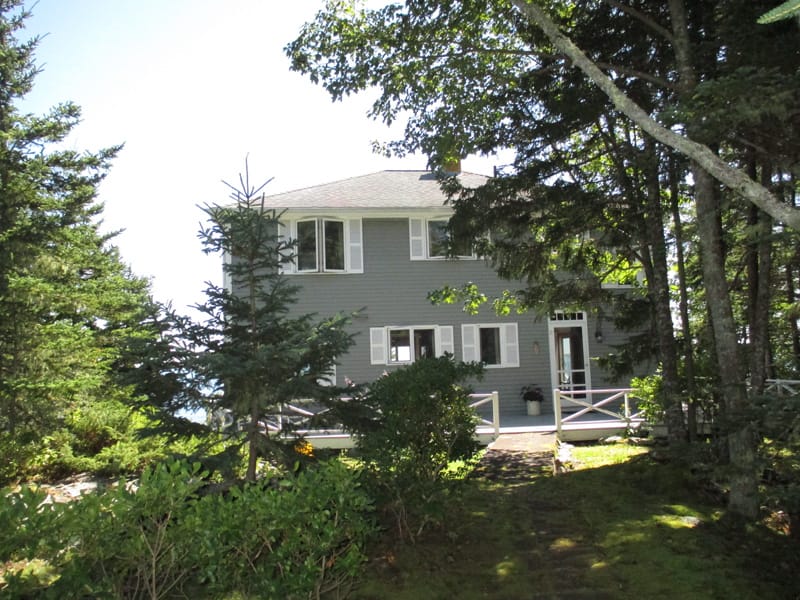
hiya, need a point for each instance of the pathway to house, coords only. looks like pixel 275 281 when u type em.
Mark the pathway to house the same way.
pixel 557 557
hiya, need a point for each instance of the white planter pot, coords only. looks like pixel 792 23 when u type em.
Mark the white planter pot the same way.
pixel 534 407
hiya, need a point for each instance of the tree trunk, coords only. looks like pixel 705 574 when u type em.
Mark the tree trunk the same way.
pixel 743 498
pixel 759 298
pixel 683 302
pixel 659 292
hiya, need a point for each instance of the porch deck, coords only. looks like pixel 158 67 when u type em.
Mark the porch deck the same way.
pixel 592 415
pixel 591 426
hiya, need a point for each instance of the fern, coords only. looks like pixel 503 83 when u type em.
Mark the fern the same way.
pixel 786 10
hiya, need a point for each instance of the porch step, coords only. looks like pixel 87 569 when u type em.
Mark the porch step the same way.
pixel 530 441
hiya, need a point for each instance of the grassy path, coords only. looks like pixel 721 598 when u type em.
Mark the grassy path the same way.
pixel 622 526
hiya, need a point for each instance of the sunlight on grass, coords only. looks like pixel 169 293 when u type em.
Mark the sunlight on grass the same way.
pixel 563 544
pixel 506 568
pixel 631 532
pixel 590 457
pixel 677 521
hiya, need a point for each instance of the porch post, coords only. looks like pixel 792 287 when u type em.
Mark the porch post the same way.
pixel 496 413
pixel 557 411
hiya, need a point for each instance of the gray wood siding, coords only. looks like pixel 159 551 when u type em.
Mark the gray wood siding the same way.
pixel 392 292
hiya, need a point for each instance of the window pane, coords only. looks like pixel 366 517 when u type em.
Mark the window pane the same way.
pixel 400 345
pixel 334 246
pixel 307 245
pixel 490 345
pixel 424 344
pixel 437 238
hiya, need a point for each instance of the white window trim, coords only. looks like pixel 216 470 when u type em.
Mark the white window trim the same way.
pixel 353 245
pixel 509 344
pixel 379 342
pixel 419 240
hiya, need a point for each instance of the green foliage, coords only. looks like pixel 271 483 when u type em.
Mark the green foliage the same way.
pixel 292 538
pixel 247 354
pixel 649 392
pixel 409 426
pixel 778 422
pixel 163 537
pixel 67 301
pixel 790 8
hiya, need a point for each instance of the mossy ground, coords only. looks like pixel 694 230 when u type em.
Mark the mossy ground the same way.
pixel 618 526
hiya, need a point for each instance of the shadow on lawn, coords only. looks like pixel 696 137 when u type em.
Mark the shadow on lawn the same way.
pixel 639 529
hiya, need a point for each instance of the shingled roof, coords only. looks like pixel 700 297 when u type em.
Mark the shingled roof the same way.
pixel 385 189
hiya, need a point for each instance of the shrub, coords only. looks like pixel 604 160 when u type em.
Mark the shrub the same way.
pixel 409 426
pixel 295 537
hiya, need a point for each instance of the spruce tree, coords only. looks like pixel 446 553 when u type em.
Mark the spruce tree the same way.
pixel 252 355
pixel 66 298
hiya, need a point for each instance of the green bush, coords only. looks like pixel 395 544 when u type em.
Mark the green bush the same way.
pixel 295 538
pixel 409 426
pixel 287 538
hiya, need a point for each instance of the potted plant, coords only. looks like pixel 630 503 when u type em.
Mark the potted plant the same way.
pixel 533 397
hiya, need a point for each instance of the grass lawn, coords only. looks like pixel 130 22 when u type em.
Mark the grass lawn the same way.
pixel 618 526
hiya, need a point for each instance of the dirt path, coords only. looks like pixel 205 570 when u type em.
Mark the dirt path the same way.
pixel 554 558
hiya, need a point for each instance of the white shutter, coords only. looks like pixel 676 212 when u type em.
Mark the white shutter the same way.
pixel 329 379
pixel 446 343
pixel 510 344
pixel 377 346
pixel 355 247
pixel 469 343
pixel 284 237
pixel 227 284
pixel 416 235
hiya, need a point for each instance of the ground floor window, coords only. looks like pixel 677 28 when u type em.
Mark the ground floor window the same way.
pixel 403 345
pixel 493 344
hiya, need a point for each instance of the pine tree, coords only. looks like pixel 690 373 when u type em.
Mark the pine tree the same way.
pixel 249 356
pixel 66 298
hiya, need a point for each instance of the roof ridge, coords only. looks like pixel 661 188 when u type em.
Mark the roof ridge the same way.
pixel 354 177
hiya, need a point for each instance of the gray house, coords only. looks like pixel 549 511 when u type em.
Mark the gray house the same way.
pixel 376 242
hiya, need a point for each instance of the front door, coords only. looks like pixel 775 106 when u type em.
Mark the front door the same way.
pixel 569 352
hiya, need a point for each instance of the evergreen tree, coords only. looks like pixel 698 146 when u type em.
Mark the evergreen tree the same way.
pixel 66 299
pixel 247 356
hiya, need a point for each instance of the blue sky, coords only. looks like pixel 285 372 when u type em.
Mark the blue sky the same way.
pixel 192 87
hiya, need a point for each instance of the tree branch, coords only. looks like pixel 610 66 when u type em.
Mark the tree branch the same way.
pixel 731 177
pixel 643 18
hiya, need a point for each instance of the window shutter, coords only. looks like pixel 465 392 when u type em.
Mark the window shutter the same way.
pixel 226 274
pixel 284 237
pixel 446 344
pixel 416 230
pixel 355 252
pixel 510 343
pixel 377 346
pixel 329 379
pixel 469 343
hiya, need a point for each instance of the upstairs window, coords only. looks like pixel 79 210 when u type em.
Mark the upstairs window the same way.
pixel 320 245
pixel 439 240
pixel 326 245
pixel 429 240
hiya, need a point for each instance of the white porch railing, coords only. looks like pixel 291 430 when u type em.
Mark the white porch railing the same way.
pixel 301 420
pixel 481 399
pixel 595 401
pixel 783 387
